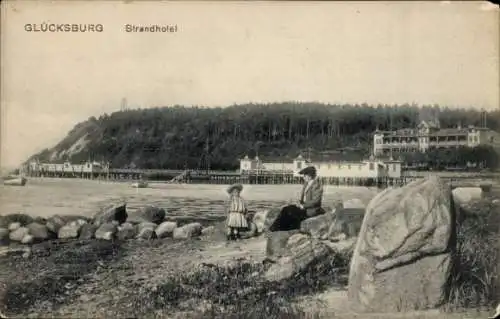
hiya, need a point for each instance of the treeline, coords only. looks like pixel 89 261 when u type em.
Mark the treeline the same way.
pixel 197 137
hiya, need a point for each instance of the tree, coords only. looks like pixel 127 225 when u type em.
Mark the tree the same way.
pixel 175 137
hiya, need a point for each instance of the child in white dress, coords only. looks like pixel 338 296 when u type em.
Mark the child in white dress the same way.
pixel 236 210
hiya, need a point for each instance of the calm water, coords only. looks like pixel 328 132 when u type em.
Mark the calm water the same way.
pixel 46 197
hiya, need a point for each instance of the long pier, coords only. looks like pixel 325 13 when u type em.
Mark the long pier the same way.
pixel 266 178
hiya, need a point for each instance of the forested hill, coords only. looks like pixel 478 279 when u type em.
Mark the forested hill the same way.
pixel 181 137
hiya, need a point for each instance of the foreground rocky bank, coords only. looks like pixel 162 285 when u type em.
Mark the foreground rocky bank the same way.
pixel 162 273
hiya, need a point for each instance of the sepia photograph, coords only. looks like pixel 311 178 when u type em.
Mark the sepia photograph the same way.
pixel 250 159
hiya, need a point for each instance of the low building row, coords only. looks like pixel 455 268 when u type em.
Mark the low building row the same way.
pixel 369 168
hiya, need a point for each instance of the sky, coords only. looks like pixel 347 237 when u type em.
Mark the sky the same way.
pixel 237 52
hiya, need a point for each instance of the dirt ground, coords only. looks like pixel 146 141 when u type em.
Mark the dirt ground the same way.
pixel 101 279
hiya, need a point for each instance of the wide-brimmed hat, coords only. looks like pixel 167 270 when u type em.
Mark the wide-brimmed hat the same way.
pixel 311 171
pixel 230 189
pixel 497 313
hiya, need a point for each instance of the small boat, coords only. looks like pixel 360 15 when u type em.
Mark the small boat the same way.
pixel 15 181
pixel 140 184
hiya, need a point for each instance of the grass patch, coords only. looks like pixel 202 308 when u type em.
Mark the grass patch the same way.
pixel 238 291
pixel 474 280
pixel 53 270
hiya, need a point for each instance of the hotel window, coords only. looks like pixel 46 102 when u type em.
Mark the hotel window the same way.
pixel 299 165
pixel 372 166
pixel 359 167
pixel 394 167
pixel 319 166
pixel 329 165
pixel 349 166
pixel 340 166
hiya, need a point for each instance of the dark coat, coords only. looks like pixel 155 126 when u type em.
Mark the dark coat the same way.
pixel 312 197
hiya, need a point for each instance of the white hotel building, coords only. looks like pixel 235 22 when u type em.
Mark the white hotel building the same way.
pixel 429 136
pixel 371 168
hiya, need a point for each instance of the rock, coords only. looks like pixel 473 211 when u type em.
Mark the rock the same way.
pixel 38 231
pixel 146 230
pixel 146 225
pixel 126 231
pixel 88 231
pixel 71 218
pixel 464 195
pixel 187 231
pixel 22 219
pixel 402 258
pixel 14 226
pixel 116 212
pixel 354 203
pixel 40 220
pixel 317 226
pixel 353 218
pixel 165 229
pixel 71 230
pixel 207 231
pixel 4 236
pixel 107 231
pixel 27 239
pixel 276 242
pixel 18 234
pixel 151 214
pixel 346 224
pixel 342 246
pixel 271 216
pixel 300 251
pixel 251 232
pixel 259 220
pixel 55 223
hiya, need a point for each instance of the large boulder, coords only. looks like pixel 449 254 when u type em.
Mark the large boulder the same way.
pixel 38 231
pixel 88 231
pixel 55 223
pixel 402 259
pixel 165 229
pixel 276 243
pixel 464 195
pixel 190 230
pixel 18 234
pixel 151 214
pixel 300 251
pixel 126 231
pixel 116 212
pixel 107 231
pixel 318 226
pixel 71 230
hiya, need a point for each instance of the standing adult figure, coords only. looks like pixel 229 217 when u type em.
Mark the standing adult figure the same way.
pixel 308 205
